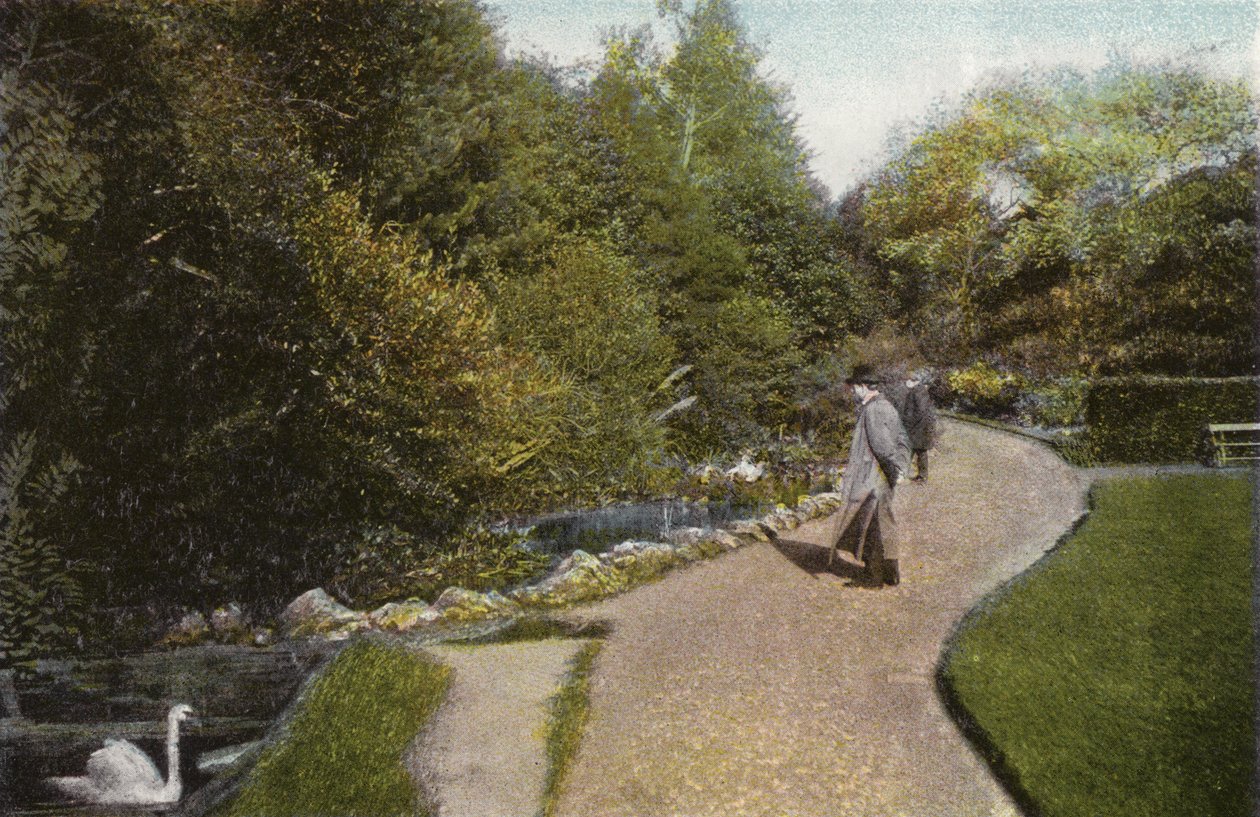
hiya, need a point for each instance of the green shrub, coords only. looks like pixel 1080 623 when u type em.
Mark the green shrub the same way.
pixel 984 390
pixel 1162 419
pixel 39 598
pixel 1056 403
pixel 892 354
pixel 1075 448
pixel 600 363
pixel 824 413
pixel 390 564
pixel 742 377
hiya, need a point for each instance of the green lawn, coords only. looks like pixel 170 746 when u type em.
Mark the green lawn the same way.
pixel 344 753
pixel 1116 678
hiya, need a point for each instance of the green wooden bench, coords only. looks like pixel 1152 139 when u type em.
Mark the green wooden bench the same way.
pixel 1234 443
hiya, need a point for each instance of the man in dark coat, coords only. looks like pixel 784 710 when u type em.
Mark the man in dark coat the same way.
pixel 918 415
pixel 878 455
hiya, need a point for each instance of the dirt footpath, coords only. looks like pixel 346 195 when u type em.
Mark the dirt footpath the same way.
pixel 759 683
pixel 485 754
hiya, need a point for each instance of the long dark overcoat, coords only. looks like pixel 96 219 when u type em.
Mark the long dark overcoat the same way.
pixel 879 451
pixel 918 414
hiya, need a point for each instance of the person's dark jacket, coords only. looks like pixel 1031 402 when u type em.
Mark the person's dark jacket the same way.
pixel 918 415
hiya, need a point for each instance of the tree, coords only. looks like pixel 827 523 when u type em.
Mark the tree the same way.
pixel 590 322
pixel 255 370
pixel 1042 215
pixel 729 212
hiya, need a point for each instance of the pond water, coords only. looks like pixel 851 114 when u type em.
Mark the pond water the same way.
pixel 68 709
pixel 599 529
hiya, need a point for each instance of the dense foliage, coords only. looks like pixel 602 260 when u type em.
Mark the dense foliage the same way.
pixel 1161 419
pixel 300 292
pixel 1064 223
pixel 292 284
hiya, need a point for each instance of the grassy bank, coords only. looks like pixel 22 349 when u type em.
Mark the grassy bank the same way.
pixel 1116 678
pixel 344 752
pixel 567 718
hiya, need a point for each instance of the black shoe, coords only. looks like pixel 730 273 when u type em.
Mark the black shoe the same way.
pixel 892 574
pixel 865 578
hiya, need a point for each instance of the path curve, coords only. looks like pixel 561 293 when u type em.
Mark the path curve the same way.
pixel 759 683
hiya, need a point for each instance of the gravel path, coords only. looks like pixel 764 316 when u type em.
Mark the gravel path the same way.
pixel 485 753
pixel 759 683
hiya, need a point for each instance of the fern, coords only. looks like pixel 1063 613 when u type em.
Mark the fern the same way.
pixel 39 598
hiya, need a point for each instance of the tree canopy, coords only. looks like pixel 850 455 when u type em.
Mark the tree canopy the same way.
pixel 284 282
pixel 1099 224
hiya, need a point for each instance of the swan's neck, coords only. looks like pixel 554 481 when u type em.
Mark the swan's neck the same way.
pixel 173 785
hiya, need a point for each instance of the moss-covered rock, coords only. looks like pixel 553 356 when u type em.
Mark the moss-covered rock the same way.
pixel 728 541
pixel 459 604
pixel 400 617
pixel 580 577
pixel 230 625
pixel 189 631
pixel 646 563
pixel 705 548
pixel 316 613
pixel 755 529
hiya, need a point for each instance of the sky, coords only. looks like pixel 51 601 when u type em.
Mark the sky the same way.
pixel 858 68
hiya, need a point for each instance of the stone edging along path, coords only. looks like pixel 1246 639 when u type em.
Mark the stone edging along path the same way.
pixel 580 577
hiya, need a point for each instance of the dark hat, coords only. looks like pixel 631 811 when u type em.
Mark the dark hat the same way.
pixel 862 373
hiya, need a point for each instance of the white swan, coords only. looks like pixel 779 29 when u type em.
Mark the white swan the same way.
pixel 122 774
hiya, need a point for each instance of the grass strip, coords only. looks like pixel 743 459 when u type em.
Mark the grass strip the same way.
pixel 567 719
pixel 343 754
pixel 1115 678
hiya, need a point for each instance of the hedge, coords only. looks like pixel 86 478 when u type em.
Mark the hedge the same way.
pixel 1161 419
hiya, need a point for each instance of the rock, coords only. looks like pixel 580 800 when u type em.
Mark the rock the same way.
pixel 752 529
pixel 747 470
pixel 229 625
pixel 458 604
pixel 780 521
pixel 829 501
pixel 264 637
pixel 218 760
pixel 403 616
pixel 191 629
pixel 529 596
pixel 686 536
pixel 315 613
pixel 704 547
pixel 580 577
pixel 648 563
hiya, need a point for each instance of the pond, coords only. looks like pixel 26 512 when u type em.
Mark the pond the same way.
pixel 599 529
pixel 68 709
